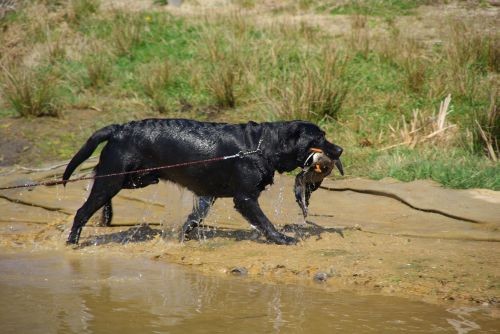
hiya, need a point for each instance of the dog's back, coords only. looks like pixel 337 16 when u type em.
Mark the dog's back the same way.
pixel 210 159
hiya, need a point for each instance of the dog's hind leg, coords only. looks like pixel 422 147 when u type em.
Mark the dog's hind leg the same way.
pixel 200 211
pixel 249 207
pixel 102 192
pixel 107 214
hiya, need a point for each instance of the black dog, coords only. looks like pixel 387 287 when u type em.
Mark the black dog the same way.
pixel 279 146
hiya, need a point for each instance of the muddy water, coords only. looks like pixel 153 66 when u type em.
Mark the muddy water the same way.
pixel 61 292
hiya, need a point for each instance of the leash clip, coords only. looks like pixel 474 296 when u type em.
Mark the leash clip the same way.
pixel 242 154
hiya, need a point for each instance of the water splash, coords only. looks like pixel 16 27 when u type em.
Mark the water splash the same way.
pixel 59 193
pixel 177 207
pixel 463 325
pixel 148 208
pixel 278 197
pixel 275 310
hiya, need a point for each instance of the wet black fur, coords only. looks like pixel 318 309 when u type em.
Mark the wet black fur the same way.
pixel 159 142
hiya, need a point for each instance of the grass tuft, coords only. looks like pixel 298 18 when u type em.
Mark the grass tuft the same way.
pixel 126 32
pixel 82 9
pixel 225 69
pixel 98 66
pixel 359 39
pixel 155 78
pixel 31 92
pixel 315 92
pixel 487 131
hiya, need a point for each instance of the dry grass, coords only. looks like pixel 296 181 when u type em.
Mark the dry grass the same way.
pixel 31 92
pixel 267 63
pixel 7 6
pixel 405 51
pixel 56 50
pixel 155 78
pixel 360 38
pixel 97 63
pixel 487 131
pixel 225 70
pixel 82 9
pixel 469 45
pixel 126 32
pixel 435 128
pixel 315 92
pixel 247 4
pixel 470 52
pixel 412 60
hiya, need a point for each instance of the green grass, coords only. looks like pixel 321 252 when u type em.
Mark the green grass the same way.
pixel 358 88
pixel 453 169
pixel 384 8
pixel 32 92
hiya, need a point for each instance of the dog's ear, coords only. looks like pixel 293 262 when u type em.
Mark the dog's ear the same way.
pixel 295 139
pixel 288 136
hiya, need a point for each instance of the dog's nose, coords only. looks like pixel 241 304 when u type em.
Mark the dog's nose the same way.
pixel 338 151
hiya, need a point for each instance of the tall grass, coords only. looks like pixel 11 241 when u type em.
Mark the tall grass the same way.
pixel 469 53
pixel 7 6
pixel 98 65
pixel 126 32
pixel 487 130
pixel 56 51
pixel 248 4
pixel 315 91
pixel 155 78
pixel 31 92
pixel 223 74
pixel 82 9
pixel 376 88
pixel 223 49
pixel 359 40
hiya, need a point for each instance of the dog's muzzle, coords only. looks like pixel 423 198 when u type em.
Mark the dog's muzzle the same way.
pixel 322 162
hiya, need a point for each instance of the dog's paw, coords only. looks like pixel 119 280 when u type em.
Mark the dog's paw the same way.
pixel 183 236
pixel 282 239
pixel 72 245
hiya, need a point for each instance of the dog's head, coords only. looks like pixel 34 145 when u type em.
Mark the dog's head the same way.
pixel 298 139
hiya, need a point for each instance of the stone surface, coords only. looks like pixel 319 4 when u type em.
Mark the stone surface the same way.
pixel 420 208
pixel 480 205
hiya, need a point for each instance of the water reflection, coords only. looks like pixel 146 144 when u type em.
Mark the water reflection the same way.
pixel 88 293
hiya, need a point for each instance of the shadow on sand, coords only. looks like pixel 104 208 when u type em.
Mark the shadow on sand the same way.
pixel 145 232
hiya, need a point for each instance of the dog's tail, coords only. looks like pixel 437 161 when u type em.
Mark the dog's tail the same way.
pixel 88 148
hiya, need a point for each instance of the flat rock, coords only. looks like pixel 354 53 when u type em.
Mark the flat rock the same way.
pixel 476 205
pixel 420 208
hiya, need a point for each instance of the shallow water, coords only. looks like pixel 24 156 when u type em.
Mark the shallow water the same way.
pixel 61 292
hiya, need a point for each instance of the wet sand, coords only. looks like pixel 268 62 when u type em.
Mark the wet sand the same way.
pixel 372 238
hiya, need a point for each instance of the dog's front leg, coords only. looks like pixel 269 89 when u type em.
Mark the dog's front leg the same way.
pixel 249 207
pixel 200 212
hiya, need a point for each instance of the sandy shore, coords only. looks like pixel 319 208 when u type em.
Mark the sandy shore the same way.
pixel 415 240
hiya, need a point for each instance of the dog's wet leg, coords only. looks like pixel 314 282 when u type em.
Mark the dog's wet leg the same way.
pixel 200 211
pixel 107 214
pixel 101 194
pixel 249 207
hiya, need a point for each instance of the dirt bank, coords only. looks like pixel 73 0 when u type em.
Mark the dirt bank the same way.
pixel 370 237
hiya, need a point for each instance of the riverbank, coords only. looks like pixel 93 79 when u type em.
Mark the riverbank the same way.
pixel 370 237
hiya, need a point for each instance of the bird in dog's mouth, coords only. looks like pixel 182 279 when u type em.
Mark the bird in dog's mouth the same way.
pixel 316 167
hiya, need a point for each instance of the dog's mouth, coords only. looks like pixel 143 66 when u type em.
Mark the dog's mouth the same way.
pixel 327 162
